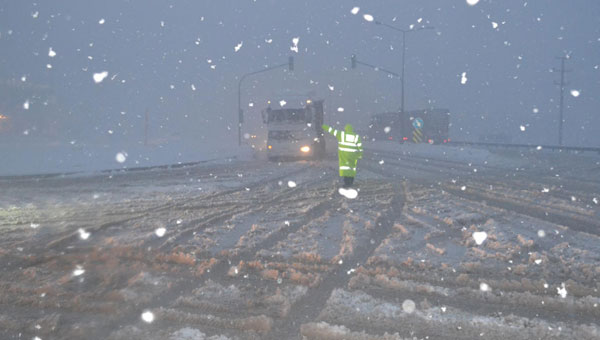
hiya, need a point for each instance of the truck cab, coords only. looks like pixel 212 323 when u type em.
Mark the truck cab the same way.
pixel 295 133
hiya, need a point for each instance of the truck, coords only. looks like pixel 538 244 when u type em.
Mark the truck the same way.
pixel 418 126
pixel 295 133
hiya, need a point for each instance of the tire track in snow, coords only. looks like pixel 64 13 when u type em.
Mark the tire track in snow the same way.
pixel 308 308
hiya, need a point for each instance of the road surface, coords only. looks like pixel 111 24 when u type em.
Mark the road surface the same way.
pixel 434 247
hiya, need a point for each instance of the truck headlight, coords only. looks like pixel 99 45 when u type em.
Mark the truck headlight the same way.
pixel 305 149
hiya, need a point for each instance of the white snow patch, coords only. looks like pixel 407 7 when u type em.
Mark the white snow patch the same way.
pixel 355 10
pixel 148 316
pixel 78 271
pixel 160 232
pixel 99 77
pixel 84 235
pixel 34 225
pixel 408 306
pixel 291 184
pixel 348 193
pixel 479 237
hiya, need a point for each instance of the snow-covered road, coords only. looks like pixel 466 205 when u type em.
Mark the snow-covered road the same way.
pixel 441 242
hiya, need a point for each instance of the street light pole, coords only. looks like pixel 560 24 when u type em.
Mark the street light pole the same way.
pixel 403 51
pixel 289 64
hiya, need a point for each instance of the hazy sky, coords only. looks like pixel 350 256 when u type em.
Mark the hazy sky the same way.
pixel 157 52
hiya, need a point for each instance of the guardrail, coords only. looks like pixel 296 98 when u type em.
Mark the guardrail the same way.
pixel 529 146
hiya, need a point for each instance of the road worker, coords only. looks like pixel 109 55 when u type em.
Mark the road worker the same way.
pixel 349 151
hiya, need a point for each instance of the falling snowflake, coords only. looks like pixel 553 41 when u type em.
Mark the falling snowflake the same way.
pixel 522 127
pixel 479 237
pixel 541 233
pixel 78 271
pixel 331 88
pixel 387 129
pixel 340 109
pixel 84 235
pixel 368 17
pixel 536 110
pixel 102 21
pixel 355 10
pixel 160 232
pixel 539 147
pixel 121 157
pixel 408 306
pixel 575 93
pixel 34 225
pixel 463 188
pixel 238 46
pixel 26 105
pixel 179 221
pixel 148 316
pixel 51 53
pixel 562 291
pixel 595 200
pixel 381 162
pixel 472 2
pixel 282 103
pixel 538 261
pixel 291 184
pixel 295 42
pixel 494 24
pixel 193 87
pixel 545 190
pixel 99 77
pixel 484 287
pixel 463 78
pixel 35 14
pixel 49 66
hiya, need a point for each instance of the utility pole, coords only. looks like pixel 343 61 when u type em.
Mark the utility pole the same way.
pixel 562 85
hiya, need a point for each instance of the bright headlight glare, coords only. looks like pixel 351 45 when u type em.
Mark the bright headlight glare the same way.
pixel 305 149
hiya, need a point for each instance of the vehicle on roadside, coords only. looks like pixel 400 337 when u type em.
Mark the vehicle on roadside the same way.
pixel 418 126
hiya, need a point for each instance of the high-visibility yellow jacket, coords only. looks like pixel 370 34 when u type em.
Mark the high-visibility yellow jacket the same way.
pixel 349 149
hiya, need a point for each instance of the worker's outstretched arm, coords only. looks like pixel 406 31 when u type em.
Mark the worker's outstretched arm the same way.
pixel 329 129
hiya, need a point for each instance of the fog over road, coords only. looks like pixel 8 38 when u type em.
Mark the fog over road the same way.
pixel 441 242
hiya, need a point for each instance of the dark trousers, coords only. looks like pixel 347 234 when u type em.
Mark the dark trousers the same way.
pixel 348 181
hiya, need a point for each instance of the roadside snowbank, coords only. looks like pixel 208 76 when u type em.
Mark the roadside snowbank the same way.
pixel 34 159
